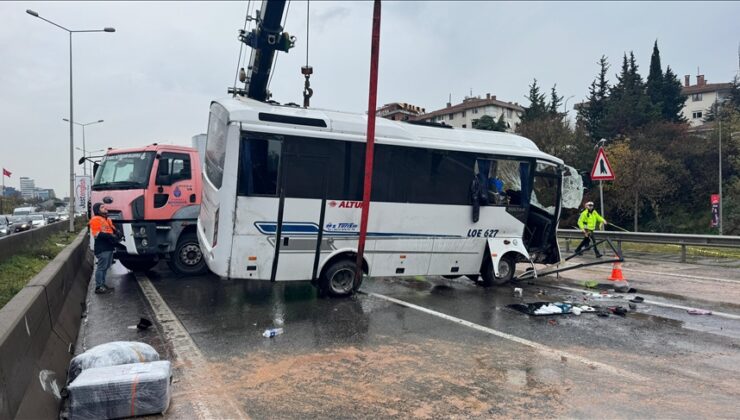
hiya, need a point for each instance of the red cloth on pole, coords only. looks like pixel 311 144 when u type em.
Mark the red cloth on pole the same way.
pixel 6 173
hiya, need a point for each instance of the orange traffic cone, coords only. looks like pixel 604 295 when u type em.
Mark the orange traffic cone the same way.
pixel 617 273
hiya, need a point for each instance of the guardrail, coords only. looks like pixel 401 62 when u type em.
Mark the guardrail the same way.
pixel 683 240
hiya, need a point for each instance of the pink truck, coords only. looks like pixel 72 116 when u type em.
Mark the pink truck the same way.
pixel 153 196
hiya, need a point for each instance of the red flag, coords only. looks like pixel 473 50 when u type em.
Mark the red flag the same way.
pixel 6 172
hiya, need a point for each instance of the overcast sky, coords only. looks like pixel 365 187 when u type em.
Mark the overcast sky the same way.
pixel 153 79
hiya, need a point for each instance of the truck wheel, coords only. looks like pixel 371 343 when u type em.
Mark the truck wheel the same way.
pixel 338 278
pixel 506 269
pixel 187 258
pixel 139 265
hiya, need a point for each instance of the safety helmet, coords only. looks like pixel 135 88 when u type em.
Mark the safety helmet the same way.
pixel 590 204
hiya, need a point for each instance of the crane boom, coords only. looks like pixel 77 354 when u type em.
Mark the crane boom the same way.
pixel 265 39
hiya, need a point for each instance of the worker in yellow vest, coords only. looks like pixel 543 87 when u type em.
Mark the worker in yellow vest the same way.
pixel 587 223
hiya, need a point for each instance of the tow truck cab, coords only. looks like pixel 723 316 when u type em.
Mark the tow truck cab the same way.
pixel 153 197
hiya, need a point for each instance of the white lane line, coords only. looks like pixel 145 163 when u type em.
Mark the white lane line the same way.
pixel 188 353
pixel 652 302
pixel 557 354
pixel 663 273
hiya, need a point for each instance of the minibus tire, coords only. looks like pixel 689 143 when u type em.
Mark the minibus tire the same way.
pixel 139 265
pixel 187 241
pixel 343 286
pixel 490 279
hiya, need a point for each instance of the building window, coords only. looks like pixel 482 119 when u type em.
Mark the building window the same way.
pixel 463 114
pixel 465 126
pixel 696 97
pixel 696 115
pixel 475 110
pixel 450 116
pixel 508 113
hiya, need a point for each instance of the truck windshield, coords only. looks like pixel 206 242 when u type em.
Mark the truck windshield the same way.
pixel 124 171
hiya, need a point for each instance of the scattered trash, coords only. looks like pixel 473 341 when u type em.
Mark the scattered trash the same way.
pixel 60 245
pixel 144 324
pixel 127 390
pixel 272 332
pixel 632 290
pixel 637 299
pixel 699 312
pixel 621 287
pixel 518 291
pixel 632 306
pixel 552 322
pixel 603 313
pixel 576 310
pixel 111 354
pixel 617 310
pixel 590 284
pixel 542 308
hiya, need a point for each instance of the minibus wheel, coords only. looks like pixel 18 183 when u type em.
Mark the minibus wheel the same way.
pixel 506 269
pixel 338 278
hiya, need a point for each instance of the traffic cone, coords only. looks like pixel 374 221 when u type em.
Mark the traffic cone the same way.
pixel 617 272
pixel 620 283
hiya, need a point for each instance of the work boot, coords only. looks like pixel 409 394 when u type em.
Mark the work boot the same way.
pixel 101 290
pixel 598 255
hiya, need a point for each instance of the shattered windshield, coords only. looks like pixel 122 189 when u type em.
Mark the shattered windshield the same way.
pixel 572 188
pixel 124 171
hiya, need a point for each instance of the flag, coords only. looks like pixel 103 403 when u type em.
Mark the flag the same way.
pixel 6 172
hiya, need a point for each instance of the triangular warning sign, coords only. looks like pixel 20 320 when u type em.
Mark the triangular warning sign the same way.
pixel 602 171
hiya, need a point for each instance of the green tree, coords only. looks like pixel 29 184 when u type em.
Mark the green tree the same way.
pixel 628 107
pixel 593 111
pixel 555 102
pixel 673 99
pixel 655 80
pixel 537 105
pixel 487 122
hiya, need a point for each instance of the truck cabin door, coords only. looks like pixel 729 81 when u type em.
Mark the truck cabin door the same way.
pixel 174 186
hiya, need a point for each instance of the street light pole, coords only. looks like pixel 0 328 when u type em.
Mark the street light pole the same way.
pixel 84 164
pixel 720 175
pixel 71 114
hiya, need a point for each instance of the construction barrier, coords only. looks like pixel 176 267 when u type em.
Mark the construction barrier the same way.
pixel 38 329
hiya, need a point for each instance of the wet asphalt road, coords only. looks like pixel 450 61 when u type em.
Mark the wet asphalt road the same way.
pixel 466 354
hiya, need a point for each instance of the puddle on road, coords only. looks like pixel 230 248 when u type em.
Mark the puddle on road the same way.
pixel 655 319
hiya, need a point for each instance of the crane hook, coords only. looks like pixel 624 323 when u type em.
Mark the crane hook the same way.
pixel 307 71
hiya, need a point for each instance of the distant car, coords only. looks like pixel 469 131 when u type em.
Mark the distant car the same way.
pixel 4 226
pixel 19 224
pixel 37 220
pixel 63 216
pixel 51 217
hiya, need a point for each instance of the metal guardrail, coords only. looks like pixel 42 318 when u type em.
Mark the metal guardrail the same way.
pixel 683 240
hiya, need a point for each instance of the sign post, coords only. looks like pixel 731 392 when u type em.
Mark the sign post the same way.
pixel 82 193
pixel 601 171
pixel 715 210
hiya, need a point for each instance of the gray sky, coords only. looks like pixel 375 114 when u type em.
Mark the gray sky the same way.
pixel 153 79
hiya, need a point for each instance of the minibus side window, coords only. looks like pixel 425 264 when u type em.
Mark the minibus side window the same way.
pixel 264 161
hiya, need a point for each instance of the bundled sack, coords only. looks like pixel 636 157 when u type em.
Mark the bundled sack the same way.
pixel 111 354
pixel 111 392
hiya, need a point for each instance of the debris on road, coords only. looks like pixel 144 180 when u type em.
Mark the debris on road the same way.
pixel 120 391
pixel 111 354
pixel 272 332
pixel 518 291
pixel 637 299
pixel 694 311
pixel 590 284
pixel 144 324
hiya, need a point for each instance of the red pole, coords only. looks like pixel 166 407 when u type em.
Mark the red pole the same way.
pixel 371 104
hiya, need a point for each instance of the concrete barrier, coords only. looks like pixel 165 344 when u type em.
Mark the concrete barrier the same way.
pixel 19 242
pixel 38 328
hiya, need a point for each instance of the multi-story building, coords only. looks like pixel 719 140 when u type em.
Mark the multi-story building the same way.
pixel 700 98
pixel 465 114
pixel 45 193
pixel 399 111
pixel 28 188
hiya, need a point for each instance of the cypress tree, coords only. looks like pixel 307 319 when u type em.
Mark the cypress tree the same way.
pixel 673 100
pixel 555 102
pixel 592 114
pixel 655 80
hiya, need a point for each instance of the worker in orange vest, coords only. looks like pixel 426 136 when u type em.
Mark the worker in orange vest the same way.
pixel 106 237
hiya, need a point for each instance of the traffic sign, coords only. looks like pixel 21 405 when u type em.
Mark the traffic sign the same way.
pixel 602 171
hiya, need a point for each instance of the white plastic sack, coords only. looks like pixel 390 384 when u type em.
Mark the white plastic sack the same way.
pixel 111 354
pixel 129 390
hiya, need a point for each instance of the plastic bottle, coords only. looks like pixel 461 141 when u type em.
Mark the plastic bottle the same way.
pixel 272 332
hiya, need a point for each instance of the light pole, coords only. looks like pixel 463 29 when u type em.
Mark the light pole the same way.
pixel 565 105
pixel 71 115
pixel 84 165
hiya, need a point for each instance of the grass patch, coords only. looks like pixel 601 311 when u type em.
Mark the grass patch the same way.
pixel 19 269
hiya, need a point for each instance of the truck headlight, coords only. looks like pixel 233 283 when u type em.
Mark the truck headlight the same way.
pixel 142 231
pixel 144 242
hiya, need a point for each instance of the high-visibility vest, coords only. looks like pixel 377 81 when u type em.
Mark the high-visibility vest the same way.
pixel 589 220
pixel 101 224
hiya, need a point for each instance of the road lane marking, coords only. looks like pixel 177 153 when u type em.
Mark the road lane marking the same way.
pixel 188 353
pixel 557 354
pixel 663 273
pixel 652 302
